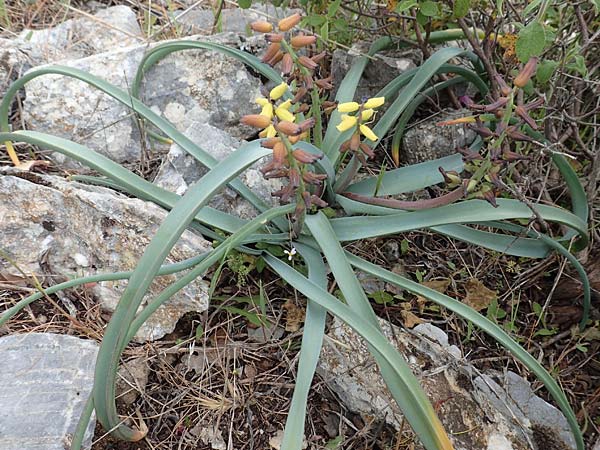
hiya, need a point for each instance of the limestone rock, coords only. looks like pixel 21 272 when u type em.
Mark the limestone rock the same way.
pixel 179 170
pixel 379 72
pixel 15 59
pixel 427 140
pixel 45 380
pixel 132 379
pixel 232 19
pixel 449 381
pixel 185 87
pixel 62 229
pixel 81 37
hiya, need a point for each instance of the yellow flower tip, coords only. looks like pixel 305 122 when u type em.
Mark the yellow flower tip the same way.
pixel 374 102
pixel 284 114
pixel 268 132
pixel 346 123
pixel 278 91
pixel 367 114
pixel 368 133
pixel 261 101
pixel 456 121
pixel 267 110
pixel 348 107
pixel 286 105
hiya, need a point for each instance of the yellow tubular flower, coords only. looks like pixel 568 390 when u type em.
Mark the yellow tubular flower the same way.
pixel 366 114
pixel 286 105
pixel 261 101
pixel 374 102
pixel 368 133
pixel 267 110
pixel 348 107
pixel 284 114
pixel 268 132
pixel 346 123
pixel 278 91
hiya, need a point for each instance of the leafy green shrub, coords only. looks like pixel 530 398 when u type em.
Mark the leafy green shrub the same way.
pixel 318 165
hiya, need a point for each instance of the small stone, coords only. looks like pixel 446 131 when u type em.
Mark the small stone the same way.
pixel 45 381
pixel 427 140
pixel 132 379
pixel 379 72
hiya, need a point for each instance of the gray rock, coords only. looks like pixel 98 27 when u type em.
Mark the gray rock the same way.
pixel 132 379
pixel 15 59
pixel 379 72
pixel 236 20
pixel 62 229
pixel 77 38
pixel 427 140
pixel 512 396
pixel 185 87
pixel 449 381
pixel 45 380
pixel 179 170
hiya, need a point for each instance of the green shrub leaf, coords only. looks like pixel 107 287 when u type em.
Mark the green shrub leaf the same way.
pixel 531 41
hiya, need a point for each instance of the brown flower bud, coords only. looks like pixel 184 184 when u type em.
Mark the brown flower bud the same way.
pixel 289 22
pixel 345 146
pixel 256 120
pixel 307 124
pixel 308 81
pixel 261 26
pixel 504 88
pixel 313 178
pixel 355 142
pixel 275 59
pixel 294 139
pixel 493 107
pixel 288 128
pixel 324 83
pixel 525 75
pixel 270 142
pixel 287 64
pixel 294 177
pixel 302 40
pixel 522 113
pixel 300 93
pixel 307 62
pixel 319 56
pixel 510 156
pixel 304 107
pixel 274 37
pixel 272 50
pixel 517 135
pixel 367 150
pixel 305 157
pixel 279 153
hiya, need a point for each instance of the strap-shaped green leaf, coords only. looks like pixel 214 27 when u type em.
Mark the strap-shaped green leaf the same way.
pixel 416 406
pixel 420 416
pixel 486 325
pixel 165 238
pixel 470 211
pixel 312 341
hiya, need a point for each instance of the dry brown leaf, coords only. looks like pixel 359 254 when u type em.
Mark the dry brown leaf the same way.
pixel 437 285
pixel 295 316
pixel 410 320
pixel 478 296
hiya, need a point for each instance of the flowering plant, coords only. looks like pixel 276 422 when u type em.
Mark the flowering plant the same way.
pixel 318 164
